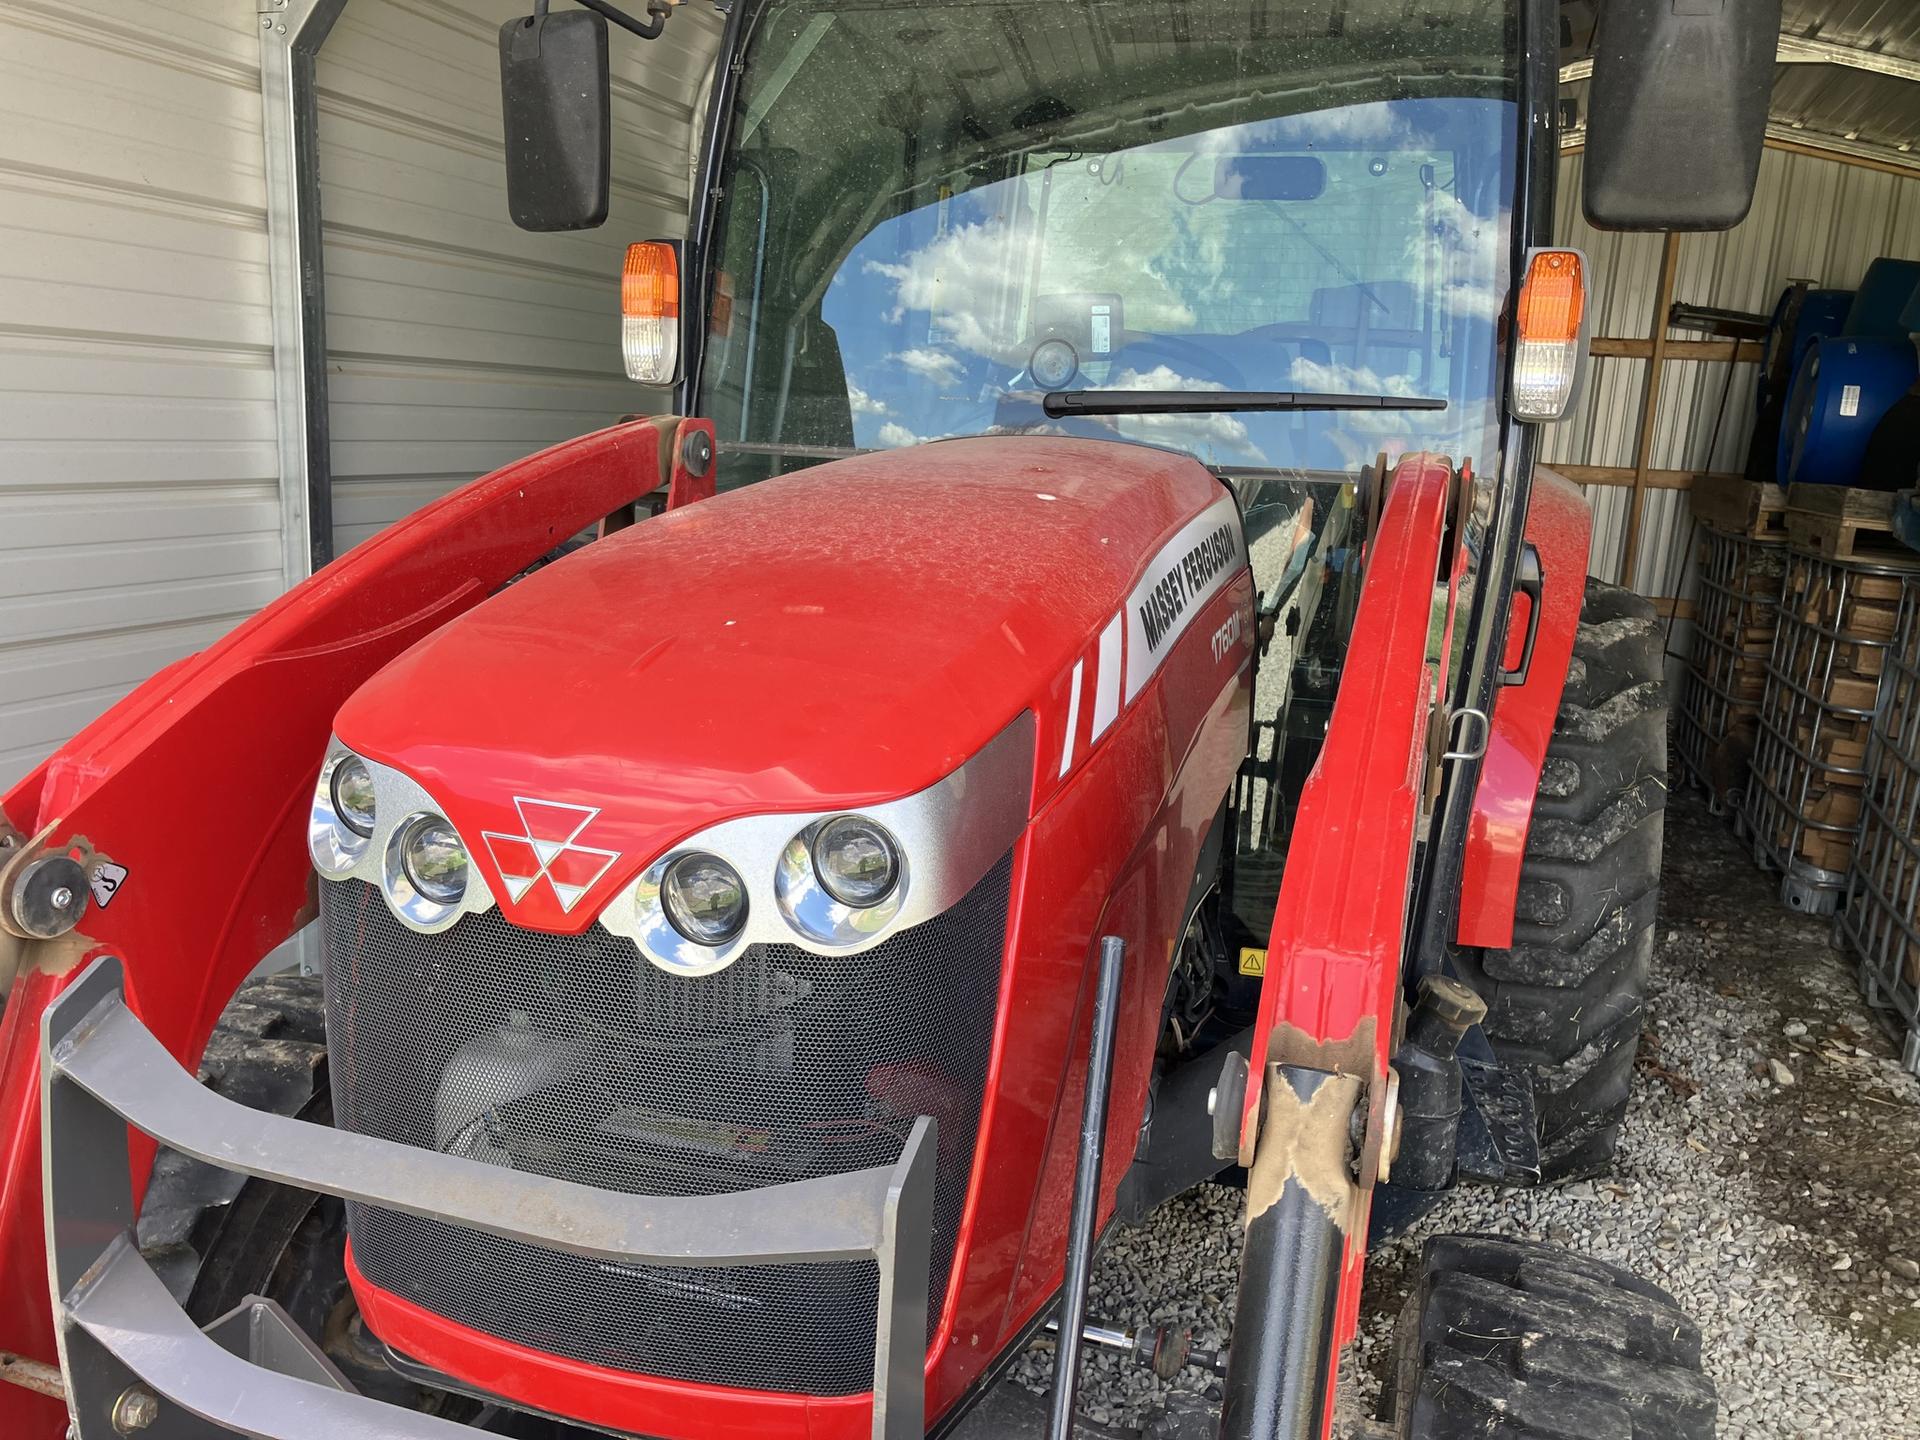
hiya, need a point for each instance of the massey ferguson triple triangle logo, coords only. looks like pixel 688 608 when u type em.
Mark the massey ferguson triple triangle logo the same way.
pixel 547 850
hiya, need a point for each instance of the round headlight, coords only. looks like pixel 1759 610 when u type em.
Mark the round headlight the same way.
pixel 436 861
pixel 705 899
pixel 352 792
pixel 856 861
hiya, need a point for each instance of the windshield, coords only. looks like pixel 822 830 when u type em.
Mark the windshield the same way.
pixel 932 216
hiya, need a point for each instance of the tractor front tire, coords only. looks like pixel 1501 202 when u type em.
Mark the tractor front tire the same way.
pixel 1564 1002
pixel 1509 1340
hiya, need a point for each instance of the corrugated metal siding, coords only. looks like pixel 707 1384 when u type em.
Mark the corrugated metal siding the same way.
pixel 458 342
pixel 1843 101
pixel 139 515
pixel 1812 219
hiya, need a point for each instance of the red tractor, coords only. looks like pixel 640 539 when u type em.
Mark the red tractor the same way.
pixel 751 955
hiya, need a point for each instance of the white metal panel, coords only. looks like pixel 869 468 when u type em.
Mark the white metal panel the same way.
pixel 457 341
pixel 138 474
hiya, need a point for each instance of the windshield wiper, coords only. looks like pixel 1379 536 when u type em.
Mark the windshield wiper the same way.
pixel 1213 402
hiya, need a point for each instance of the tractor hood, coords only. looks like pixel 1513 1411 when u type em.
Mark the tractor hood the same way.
pixel 839 637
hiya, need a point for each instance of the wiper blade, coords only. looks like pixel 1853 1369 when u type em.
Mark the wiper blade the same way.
pixel 1057 403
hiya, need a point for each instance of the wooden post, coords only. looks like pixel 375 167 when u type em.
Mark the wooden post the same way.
pixel 1649 403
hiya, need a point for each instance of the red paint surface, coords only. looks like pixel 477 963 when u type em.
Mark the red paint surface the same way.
pixel 893 614
pixel 1559 525
pixel 596 1395
pixel 1333 962
pixel 867 662
pixel 198 782
pixel 841 637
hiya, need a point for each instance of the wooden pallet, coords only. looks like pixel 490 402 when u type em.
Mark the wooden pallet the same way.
pixel 1838 522
pixel 1740 507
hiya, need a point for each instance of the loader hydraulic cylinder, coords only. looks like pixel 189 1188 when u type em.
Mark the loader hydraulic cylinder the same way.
pixel 1300 1205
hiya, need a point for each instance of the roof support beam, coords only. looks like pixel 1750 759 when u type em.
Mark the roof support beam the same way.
pixel 1817 143
pixel 1795 51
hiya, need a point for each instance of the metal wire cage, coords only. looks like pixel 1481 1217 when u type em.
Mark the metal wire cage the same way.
pixel 1881 921
pixel 1736 620
pixel 1836 622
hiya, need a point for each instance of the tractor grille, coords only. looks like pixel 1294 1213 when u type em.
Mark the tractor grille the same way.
pixel 573 1056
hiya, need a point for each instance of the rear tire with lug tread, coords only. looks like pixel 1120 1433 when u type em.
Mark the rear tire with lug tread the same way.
pixel 1511 1340
pixel 1564 1002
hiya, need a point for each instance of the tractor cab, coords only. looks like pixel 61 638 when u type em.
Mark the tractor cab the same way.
pixel 901 256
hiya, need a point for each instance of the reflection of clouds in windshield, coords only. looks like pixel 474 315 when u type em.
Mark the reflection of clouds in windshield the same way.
pixel 1218 439
pixel 1377 122
pixel 1401 426
pixel 962 280
pixel 1161 377
pixel 1473 246
pixel 1132 259
pixel 933 365
pixel 1338 379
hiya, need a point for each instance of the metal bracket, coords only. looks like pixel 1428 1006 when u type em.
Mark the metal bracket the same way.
pixel 1453 734
pixel 291 33
pixel 119 1329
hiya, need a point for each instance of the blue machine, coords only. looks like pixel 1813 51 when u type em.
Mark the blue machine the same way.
pixel 1822 312
pixel 1880 305
pixel 1844 387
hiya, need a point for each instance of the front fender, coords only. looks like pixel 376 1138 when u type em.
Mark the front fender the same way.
pixel 1559 526
pixel 196 784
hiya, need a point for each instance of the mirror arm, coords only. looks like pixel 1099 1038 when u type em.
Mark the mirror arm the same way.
pixel 656 21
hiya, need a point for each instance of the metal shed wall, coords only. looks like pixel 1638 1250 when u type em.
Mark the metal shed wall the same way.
pixel 139 513
pixel 457 342
pixel 1812 219
pixel 139 472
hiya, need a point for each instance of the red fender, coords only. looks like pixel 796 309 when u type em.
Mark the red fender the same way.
pixel 196 783
pixel 1559 526
pixel 1333 963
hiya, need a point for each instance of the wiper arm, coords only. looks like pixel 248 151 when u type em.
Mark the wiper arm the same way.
pixel 1213 402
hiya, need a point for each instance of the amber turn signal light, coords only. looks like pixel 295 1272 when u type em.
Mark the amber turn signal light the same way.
pixel 650 311
pixel 1550 339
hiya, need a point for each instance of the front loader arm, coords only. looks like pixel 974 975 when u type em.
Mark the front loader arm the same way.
pixel 1329 1003
pixel 191 793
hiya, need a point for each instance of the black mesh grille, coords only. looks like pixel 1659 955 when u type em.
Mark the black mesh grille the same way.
pixel 573 1056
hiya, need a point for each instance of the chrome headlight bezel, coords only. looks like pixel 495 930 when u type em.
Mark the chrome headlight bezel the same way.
pixel 409 899
pixel 659 938
pixel 400 804
pixel 945 838
pixel 334 845
pixel 814 910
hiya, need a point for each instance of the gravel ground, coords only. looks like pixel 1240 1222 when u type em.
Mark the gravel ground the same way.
pixel 1769 1177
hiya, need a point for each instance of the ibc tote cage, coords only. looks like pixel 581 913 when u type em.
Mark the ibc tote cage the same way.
pixel 1881 920
pixel 1732 638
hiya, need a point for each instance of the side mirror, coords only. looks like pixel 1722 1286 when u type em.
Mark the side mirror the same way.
pixel 1677 111
pixel 559 123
